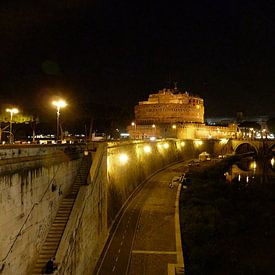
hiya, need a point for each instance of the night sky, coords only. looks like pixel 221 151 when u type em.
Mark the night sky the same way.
pixel 118 52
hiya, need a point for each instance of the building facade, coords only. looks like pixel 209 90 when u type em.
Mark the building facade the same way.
pixel 170 114
pixel 167 106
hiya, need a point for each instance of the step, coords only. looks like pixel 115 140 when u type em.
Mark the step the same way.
pixel 62 217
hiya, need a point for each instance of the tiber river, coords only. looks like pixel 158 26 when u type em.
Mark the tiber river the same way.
pixel 249 170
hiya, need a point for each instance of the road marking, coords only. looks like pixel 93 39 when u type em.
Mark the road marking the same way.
pixel 121 243
pixel 114 267
pixel 116 259
pixel 154 252
pixel 118 251
pixel 180 259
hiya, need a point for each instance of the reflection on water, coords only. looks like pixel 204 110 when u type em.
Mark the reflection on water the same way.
pixel 247 170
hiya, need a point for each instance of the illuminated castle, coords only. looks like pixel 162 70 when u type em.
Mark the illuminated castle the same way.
pixel 170 114
pixel 167 106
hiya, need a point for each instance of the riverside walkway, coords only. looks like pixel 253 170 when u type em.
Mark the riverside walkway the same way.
pixel 146 239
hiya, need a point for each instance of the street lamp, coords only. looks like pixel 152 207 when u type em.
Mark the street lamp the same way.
pixel 11 111
pixel 58 104
pixel 154 127
pixel 135 127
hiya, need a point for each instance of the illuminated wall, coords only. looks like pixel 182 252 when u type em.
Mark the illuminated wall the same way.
pixel 169 107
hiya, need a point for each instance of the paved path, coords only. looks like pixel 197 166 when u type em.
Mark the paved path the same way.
pixel 147 237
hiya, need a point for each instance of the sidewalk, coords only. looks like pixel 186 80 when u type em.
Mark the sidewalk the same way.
pixel 157 247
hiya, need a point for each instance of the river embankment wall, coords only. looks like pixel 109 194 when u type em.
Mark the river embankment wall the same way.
pixel 33 181
pixel 117 171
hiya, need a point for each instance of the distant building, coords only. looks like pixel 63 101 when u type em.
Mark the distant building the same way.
pixel 170 114
pixel 169 107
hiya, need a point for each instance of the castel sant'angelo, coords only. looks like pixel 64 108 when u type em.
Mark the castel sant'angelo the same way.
pixel 171 114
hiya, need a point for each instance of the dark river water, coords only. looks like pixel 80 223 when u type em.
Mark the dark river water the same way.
pixel 250 169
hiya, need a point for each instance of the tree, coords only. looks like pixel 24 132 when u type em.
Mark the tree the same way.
pixel 19 118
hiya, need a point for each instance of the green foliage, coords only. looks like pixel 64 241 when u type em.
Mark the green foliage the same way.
pixel 17 118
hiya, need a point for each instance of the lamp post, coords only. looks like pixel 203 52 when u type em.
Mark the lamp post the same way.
pixel 154 127
pixel 58 104
pixel 11 111
pixel 135 128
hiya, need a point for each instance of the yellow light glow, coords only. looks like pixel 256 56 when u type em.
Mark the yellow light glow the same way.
pixel 12 111
pixel 59 103
pixel 198 143
pixel 182 144
pixel 253 165
pixel 223 140
pixel 166 145
pixel 123 158
pixel 197 106
pixel 133 124
pixel 153 126
pixel 272 161
pixel 159 145
pixel 174 126
pixel 147 149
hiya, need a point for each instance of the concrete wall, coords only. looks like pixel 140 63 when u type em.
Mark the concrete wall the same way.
pixel 99 203
pixel 27 202
pixel 28 205
pixel 87 230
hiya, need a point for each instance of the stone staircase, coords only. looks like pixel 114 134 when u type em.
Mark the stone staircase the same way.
pixel 55 233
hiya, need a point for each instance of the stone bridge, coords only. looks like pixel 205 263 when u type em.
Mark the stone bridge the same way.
pixel 260 147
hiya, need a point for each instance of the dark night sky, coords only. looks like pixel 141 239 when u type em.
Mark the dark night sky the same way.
pixel 117 52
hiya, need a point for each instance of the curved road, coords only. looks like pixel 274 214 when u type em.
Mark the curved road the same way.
pixel 146 239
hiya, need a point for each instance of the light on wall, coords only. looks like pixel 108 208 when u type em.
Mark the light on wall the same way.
pixel 166 145
pixel 123 158
pixel 147 149
pixel 198 143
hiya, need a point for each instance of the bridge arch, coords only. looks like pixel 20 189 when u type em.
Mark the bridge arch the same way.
pixel 245 147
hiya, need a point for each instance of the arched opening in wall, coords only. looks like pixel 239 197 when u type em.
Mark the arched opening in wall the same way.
pixel 246 163
pixel 246 148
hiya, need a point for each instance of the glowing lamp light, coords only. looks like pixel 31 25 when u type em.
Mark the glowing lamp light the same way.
pixel 182 144
pixel 123 158
pixel 147 149
pixel 272 162
pixel 59 103
pixel 166 145
pixel 174 126
pixel 198 143
pixel 152 138
pixel 12 111
pixel 159 145
pixel 253 165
